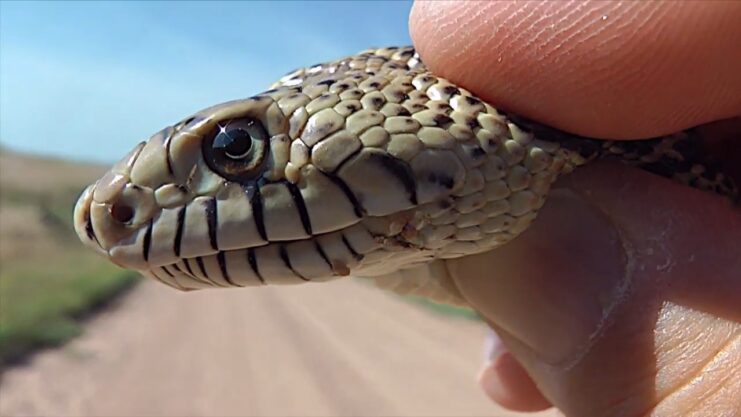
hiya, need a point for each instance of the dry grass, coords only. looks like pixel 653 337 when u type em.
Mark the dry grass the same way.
pixel 47 279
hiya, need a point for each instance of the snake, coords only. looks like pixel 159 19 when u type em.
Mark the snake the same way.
pixel 369 166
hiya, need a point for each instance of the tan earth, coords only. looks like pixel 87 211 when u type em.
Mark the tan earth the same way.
pixel 336 349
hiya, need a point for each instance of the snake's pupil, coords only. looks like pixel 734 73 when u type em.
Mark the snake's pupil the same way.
pixel 235 143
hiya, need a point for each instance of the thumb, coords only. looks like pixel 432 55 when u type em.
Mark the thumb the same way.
pixel 621 297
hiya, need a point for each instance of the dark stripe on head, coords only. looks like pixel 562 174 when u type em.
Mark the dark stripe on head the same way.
pixel 147 240
pixel 189 273
pixel 252 260
pixel 298 199
pixel 257 208
pixel 213 222
pixel 179 232
pixel 287 261
pixel 160 279
pixel 167 271
pixel 352 250
pixel 89 228
pixel 187 267
pixel 357 207
pixel 323 254
pixel 202 267
pixel 221 258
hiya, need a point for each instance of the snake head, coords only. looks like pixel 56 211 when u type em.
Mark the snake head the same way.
pixel 269 188
pixel 364 166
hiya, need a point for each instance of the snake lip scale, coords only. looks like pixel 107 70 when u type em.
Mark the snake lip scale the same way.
pixel 369 166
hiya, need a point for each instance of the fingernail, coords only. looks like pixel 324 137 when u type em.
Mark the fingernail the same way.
pixel 553 287
pixel 493 347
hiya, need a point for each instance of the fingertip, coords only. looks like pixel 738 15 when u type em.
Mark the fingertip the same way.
pixel 507 383
pixel 601 69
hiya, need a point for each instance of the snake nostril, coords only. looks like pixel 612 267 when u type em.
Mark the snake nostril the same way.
pixel 122 213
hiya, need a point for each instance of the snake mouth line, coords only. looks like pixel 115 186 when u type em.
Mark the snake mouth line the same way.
pixel 318 258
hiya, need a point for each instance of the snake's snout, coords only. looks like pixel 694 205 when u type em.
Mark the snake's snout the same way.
pixel 113 210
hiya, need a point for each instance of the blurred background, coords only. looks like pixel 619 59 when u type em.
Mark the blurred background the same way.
pixel 80 83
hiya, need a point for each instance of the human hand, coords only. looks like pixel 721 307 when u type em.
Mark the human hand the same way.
pixel 624 296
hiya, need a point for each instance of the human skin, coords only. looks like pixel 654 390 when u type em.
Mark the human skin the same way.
pixel 623 298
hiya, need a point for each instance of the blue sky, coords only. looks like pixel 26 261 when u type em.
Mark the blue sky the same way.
pixel 89 80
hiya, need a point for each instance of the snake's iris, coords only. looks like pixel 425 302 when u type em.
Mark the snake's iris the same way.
pixel 236 149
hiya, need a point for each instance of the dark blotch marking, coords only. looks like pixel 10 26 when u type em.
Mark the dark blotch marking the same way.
pixel 352 107
pixel 212 219
pixel 472 123
pixel 399 169
pixel 403 112
pixel 472 100
pixel 407 53
pixel 257 210
pixel 252 260
pixel 451 90
pixel 401 96
pixel 374 84
pixel 287 262
pixel 476 152
pixel 441 179
pixel 352 250
pixel 177 243
pixel 327 82
pixel 298 199
pixel 147 240
pixel 442 120
pixel 377 101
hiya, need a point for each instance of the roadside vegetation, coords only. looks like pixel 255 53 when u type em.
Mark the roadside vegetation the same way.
pixel 48 280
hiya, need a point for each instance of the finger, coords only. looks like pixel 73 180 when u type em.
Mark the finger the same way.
pixel 600 69
pixel 620 296
pixel 506 382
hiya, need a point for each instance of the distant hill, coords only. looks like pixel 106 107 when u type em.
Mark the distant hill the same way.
pixel 44 174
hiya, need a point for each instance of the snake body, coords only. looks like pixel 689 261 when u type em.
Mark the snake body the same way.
pixel 369 166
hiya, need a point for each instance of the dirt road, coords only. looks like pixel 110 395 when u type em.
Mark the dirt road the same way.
pixel 342 348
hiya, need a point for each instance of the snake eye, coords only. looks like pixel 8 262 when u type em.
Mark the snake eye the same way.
pixel 236 149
